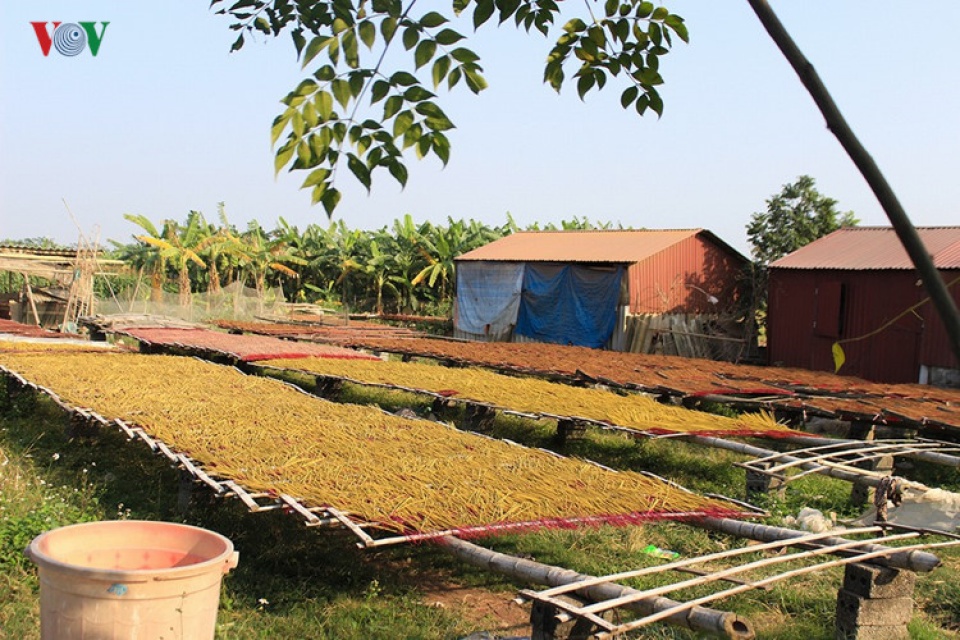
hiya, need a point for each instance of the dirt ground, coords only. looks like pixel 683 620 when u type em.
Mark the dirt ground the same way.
pixel 495 612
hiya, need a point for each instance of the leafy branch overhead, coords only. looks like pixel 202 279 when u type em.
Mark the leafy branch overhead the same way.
pixel 375 65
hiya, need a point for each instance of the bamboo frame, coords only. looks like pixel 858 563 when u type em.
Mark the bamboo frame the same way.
pixel 229 488
pixel 843 455
pixel 611 630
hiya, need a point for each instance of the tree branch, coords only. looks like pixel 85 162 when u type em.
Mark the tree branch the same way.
pixel 939 294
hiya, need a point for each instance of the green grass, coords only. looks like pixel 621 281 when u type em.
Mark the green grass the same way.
pixel 295 582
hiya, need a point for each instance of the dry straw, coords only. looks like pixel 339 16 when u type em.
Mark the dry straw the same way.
pixel 530 395
pixel 404 475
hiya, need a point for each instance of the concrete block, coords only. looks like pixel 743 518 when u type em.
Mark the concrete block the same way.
pixel 545 626
pixel 762 483
pixel 871 581
pixel 872 632
pixel 857 611
pixel 570 430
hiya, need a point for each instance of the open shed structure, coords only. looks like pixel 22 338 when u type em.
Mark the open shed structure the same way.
pixel 857 287
pixel 579 287
pixel 68 290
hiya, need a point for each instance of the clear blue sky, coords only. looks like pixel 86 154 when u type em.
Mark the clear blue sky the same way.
pixel 165 120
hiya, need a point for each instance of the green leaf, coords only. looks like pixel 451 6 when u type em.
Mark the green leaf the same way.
pixel 297 124
pixel 642 103
pixel 310 117
pixel 403 79
pixel 387 28
pixel 423 146
pixel 320 143
pixel 553 74
pixel 392 106
pixel 441 147
pixel 304 154
pixel 454 78
pixel 656 102
pixel 324 102
pixel 315 177
pixel 238 44
pixel 298 40
pixel 279 124
pixel 306 87
pixel 399 172
pixel 507 8
pixel 333 51
pixel 430 110
pixel 676 23
pixel 448 36
pixel 416 94
pixel 316 45
pixel 584 84
pixel 356 83
pixel 412 135
pixel 440 69
pixel 464 55
pixel 351 50
pixel 482 12
pixel 326 73
pixel 330 200
pixel 575 25
pixel 403 122
pixel 411 35
pixel 341 91
pixel 425 52
pixel 438 124
pixel 644 9
pixel 284 154
pixel 359 169
pixel 368 33
pixel 433 19
pixel 610 7
pixel 655 33
pixel 628 96
pixel 379 91
pixel 475 81
pixel 660 13
pixel 318 192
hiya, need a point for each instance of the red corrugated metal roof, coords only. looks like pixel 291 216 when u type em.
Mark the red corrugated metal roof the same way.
pixel 864 248
pixel 599 245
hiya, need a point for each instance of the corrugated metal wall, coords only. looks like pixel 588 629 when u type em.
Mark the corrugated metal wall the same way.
pixel 681 279
pixel 867 301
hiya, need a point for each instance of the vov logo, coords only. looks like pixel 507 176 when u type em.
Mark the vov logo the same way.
pixel 69 38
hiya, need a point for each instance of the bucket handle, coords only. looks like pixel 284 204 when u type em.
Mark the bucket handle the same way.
pixel 231 562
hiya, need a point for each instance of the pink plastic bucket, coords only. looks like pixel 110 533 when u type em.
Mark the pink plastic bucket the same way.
pixel 130 579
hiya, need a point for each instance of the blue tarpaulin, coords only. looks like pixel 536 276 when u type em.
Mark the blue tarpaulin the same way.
pixel 569 304
pixel 488 296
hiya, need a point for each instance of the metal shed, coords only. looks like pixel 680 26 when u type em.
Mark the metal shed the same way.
pixel 857 287
pixel 686 271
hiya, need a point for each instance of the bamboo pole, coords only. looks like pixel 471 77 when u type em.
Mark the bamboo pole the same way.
pixel 873 556
pixel 686 562
pixel 837 124
pixel 832 471
pixel 928 456
pixel 30 299
pixel 707 621
pixel 914 560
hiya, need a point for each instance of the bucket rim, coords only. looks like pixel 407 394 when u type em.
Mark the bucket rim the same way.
pixel 226 559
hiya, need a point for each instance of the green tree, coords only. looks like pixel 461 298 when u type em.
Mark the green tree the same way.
pixel 367 101
pixel 149 254
pixel 795 217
